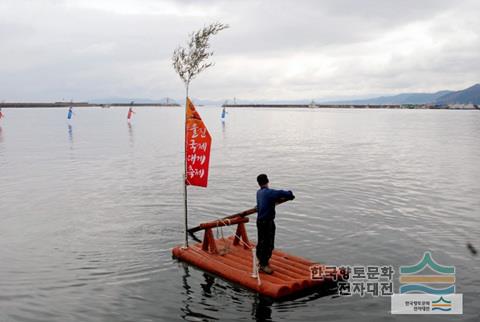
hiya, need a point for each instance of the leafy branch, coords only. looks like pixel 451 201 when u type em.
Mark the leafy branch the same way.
pixel 192 60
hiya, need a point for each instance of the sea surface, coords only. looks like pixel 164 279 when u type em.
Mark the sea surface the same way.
pixel 90 209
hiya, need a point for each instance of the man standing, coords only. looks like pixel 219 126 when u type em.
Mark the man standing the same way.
pixel 266 200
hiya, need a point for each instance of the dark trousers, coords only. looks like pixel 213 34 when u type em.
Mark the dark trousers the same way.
pixel 266 240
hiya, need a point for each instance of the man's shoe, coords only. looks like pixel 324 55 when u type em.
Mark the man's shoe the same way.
pixel 266 269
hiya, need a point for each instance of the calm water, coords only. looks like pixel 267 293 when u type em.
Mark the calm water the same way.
pixel 89 211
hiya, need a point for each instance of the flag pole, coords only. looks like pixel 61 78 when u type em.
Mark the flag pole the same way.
pixel 185 171
pixel 188 63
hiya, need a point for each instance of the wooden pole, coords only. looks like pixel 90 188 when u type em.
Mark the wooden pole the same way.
pixel 185 196
pixel 244 213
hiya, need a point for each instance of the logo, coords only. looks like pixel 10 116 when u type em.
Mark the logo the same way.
pixel 427 288
pixel 414 281
pixel 441 305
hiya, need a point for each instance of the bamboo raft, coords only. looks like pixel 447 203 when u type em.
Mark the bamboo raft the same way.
pixel 233 259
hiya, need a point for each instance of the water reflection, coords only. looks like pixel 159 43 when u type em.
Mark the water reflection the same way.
pixel 261 306
pixel 130 133
pixel 224 129
pixel 207 286
pixel 188 313
pixel 1 141
pixel 70 135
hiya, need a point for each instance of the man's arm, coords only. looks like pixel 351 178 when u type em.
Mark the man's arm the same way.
pixel 283 194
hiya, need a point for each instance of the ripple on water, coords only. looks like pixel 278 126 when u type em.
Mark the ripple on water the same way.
pixel 89 214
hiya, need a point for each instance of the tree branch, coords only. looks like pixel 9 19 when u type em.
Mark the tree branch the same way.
pixel 190 61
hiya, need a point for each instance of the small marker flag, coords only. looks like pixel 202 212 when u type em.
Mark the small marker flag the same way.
pixel 129 114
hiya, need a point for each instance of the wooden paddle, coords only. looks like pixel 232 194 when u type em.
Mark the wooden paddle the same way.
pixel 244 213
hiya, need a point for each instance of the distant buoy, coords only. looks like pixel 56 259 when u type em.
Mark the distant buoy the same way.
pixel 224 114
pixel 70 113
pixel 130 113
pixel 1 114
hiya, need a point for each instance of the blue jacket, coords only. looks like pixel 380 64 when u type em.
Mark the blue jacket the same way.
pixel 266 199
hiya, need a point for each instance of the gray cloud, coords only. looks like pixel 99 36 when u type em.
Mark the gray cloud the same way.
pixel 273 50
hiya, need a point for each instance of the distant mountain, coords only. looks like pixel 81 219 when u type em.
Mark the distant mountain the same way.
pixel 466 96
pixel 407 98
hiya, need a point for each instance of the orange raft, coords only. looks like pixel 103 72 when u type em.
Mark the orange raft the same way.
pixel 231 258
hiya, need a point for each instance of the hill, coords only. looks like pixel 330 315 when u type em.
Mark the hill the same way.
pixel 469 95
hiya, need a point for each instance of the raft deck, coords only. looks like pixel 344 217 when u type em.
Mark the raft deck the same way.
pixel 231 258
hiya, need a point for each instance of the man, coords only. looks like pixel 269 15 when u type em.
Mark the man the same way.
pixel 266 200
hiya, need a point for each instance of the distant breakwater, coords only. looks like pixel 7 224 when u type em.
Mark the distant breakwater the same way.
pixel 76 104
pixel 356 106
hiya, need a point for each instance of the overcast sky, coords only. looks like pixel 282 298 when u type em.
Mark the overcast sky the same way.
pixel 87 49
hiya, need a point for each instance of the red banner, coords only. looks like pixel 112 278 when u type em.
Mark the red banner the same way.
pixel 197 148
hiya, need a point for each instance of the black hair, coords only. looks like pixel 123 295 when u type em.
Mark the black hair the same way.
pixel 262 179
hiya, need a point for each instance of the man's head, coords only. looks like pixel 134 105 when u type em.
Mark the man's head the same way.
pixel 262 180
